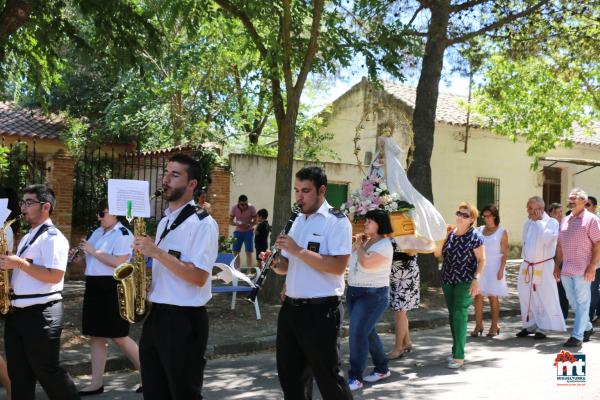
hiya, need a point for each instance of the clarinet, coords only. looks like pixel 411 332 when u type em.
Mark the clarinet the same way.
pixel 78 250
pixel 266 265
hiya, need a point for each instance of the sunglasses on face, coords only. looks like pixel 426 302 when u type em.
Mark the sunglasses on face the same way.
pixel 463 215
pixel 101 214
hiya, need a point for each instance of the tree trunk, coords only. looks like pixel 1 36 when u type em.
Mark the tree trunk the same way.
pixel 283 192
pixel 419 171
pixel 14 15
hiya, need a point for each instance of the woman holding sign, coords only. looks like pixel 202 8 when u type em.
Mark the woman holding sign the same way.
pixel 106 248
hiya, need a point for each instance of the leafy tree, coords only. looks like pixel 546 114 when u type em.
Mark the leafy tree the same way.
pixel 295 38
pixel 542 81
pixel 444 25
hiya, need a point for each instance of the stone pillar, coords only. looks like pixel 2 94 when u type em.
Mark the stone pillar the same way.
pixel 60 169
pixel 218 197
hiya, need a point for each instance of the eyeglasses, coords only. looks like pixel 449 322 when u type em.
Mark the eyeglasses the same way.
pixel 29 202
pixel 101 214
pixel 463 215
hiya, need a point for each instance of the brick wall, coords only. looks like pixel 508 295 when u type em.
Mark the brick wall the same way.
pixel 59 177
pixel 218 197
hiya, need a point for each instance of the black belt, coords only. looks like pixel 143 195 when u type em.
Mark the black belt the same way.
pixel 162 306
pixel 32 296
pixel 313 301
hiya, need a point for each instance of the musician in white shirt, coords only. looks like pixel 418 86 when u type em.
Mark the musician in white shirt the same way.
pixel 33 328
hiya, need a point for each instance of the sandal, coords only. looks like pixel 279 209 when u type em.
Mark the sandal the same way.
pixel 455 364
pixel 394 355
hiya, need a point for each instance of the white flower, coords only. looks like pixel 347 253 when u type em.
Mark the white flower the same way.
pixel 383 186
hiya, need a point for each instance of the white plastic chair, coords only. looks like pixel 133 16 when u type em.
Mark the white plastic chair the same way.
pixel 226 262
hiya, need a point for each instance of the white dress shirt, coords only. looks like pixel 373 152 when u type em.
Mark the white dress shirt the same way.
pixel 333 236
pixel 114 242
pixel 50 250
pixel 197 242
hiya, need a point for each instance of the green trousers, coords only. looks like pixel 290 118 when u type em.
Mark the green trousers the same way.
pixel 458 300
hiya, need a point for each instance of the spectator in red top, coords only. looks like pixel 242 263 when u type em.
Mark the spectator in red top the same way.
pixel 243 216
pixel 578 249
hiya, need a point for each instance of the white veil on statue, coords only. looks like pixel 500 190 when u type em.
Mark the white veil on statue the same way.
pixel 430 227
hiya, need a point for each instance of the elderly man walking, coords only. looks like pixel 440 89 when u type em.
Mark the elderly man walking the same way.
pixel 538 295
pixel 579 250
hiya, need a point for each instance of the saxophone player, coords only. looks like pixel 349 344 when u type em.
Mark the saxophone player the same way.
pixel 33 328
pixel 12 197
pixel 107 247
pixel 175 333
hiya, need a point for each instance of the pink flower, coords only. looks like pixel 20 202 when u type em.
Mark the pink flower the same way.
pixel 368 188
pixel 377 200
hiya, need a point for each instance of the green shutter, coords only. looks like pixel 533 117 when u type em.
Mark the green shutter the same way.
pixel 336 194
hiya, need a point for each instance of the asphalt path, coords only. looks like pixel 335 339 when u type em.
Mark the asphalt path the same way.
pixel 504 367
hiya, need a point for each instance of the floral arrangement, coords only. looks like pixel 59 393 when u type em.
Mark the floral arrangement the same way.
pixel 374 194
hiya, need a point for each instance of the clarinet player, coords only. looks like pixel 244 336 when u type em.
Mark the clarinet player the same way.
pixel 107 247
pixel 314 256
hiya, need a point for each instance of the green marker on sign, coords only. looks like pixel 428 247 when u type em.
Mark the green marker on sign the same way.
pixel 129 215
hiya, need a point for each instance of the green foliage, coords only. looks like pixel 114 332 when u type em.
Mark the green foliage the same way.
pixel 226 244
pixel 17 168
pixel 543 80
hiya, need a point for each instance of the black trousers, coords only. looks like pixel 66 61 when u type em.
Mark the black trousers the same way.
pixel 172 350
pixel 32 342
pixel 307 346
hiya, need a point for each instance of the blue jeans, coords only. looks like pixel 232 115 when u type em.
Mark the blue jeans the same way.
pixel 366 305
pixel 595 299
pixel 579 294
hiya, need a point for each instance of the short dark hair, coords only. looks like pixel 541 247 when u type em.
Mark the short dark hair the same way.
pixel 382 219
pixel 43 193
pixel 593 200
pixel 242 197
pixel 102 205
pixel 264 214
pixel 193 167
pixel 494 211
pixel 554 206
pixel 314 174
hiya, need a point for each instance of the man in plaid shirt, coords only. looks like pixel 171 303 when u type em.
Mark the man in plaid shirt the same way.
pixel 578 249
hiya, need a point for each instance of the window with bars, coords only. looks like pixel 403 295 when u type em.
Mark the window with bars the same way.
pixel 488 192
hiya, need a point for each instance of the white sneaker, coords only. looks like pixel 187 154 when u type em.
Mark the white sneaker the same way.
pixel 376 376
pixel 355 384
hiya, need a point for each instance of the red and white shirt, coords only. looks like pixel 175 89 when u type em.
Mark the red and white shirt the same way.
pixel 577 236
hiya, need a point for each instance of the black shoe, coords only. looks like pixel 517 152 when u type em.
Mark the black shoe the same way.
pixel 524 332
pixel 91 392
pixel 539 335
pixel 587 334
pixel 572 342
pixel 139 389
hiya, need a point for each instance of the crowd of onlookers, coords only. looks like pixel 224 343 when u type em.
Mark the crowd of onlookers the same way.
pixel 561 256
pixel 559 269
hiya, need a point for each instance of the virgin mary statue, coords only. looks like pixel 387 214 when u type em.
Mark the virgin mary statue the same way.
pixel 430 227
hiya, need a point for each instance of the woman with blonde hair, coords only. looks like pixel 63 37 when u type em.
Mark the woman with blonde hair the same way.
pixel 464 259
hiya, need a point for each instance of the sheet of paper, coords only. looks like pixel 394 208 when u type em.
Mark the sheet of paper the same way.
pixel 124 191
pixel 4 211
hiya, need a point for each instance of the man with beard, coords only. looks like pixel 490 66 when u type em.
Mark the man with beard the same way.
pixel 33 328
pixel 314 257
pixel 175 332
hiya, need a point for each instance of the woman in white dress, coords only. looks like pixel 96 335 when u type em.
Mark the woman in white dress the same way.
pixel 493 279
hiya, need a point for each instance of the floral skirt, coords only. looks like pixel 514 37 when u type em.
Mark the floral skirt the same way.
pixel 405 294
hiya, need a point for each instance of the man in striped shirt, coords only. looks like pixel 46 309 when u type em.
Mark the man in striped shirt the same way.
pixel 578 249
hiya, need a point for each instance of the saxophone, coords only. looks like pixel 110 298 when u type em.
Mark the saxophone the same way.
pixel 132 289
pixel 4 276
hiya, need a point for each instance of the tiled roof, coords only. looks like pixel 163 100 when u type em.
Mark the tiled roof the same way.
pixel 451 110
pixel 26 122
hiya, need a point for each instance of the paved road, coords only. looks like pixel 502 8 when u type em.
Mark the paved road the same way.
pixel 503 368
